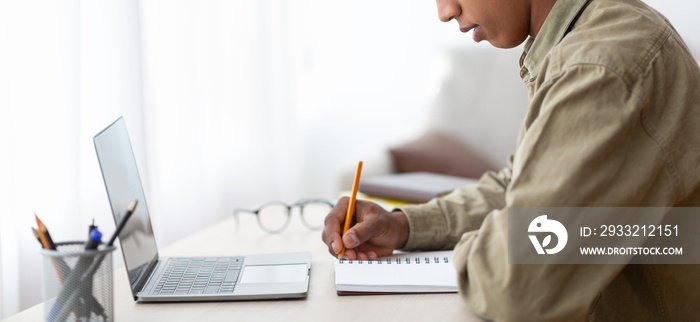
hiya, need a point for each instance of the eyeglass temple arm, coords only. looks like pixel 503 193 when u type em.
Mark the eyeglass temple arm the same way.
pixel 238 210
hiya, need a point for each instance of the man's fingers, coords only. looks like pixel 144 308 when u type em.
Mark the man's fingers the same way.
pixel 372 255
pixel 332 227
pixel 362 256
pixel 332 238
pixel 341 208
pixel 350 254
pixel 362 232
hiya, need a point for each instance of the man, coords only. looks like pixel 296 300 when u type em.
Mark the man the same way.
pixel 612 122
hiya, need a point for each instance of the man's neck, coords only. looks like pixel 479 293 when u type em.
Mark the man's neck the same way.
pixel 538 13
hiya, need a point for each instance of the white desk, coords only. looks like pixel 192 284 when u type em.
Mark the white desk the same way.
pixel 322 303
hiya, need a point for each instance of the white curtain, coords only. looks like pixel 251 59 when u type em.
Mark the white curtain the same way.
pixel 67 68
pixel 220 109
pixel 39 99
pixel 251 101
pixel 228 104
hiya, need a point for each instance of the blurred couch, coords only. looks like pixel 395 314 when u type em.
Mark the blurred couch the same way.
pixel 474 121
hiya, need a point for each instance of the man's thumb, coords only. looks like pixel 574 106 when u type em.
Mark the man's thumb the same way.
pixel 359 234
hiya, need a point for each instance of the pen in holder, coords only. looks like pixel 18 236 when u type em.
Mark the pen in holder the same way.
pixel 78 284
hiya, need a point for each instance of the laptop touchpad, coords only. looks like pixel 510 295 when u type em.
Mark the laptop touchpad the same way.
pixel 294 273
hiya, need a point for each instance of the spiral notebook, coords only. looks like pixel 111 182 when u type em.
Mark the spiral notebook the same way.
pixel 419 272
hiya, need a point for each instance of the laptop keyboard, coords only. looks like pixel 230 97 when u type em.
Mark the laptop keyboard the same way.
pixel 206 275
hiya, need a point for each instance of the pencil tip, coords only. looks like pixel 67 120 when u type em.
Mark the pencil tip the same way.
pixel 132 206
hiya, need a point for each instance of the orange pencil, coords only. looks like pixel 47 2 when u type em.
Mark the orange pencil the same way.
pixel 351 205
pixel 44 236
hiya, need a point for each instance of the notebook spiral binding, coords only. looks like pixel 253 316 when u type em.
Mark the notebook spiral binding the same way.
pixel 398 260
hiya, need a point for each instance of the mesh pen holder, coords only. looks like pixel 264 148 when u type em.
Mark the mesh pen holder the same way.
pixel 78 284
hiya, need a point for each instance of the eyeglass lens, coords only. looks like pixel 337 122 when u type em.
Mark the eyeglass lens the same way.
pixel 313 213
pixel 273 217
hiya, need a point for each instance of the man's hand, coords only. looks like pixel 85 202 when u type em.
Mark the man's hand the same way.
pixel 375 231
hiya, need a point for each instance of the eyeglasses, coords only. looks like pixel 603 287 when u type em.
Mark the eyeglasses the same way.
pixel 274 217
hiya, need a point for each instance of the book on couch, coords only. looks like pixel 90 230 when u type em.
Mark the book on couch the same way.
pixel 417 187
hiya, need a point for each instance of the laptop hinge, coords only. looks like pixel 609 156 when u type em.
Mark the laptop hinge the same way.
pixel 142 280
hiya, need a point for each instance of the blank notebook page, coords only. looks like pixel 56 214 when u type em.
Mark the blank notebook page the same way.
pixel 420 272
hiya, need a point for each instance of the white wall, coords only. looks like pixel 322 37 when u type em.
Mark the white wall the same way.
pixel 683 16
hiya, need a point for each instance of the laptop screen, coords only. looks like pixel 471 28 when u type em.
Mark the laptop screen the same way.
pixel 121 177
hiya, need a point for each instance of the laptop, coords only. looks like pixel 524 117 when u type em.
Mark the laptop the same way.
pixel 180 279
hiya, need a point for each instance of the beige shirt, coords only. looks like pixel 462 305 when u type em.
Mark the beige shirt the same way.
pixel 614 120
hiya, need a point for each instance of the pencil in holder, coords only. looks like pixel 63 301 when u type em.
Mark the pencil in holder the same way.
pixel 78 284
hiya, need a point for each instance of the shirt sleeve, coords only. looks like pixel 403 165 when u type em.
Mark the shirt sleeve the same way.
pixel 440 223
pixel 585 147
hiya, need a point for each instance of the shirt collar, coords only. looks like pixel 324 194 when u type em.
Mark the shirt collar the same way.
pixel 553 30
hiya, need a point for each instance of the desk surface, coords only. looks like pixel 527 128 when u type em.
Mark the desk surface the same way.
pixel 230 239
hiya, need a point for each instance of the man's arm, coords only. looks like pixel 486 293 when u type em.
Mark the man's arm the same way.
pixel 440 223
